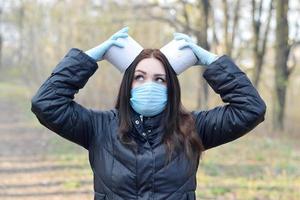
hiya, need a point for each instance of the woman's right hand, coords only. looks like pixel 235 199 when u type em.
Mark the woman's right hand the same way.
pixel 204 57
pixel 98 52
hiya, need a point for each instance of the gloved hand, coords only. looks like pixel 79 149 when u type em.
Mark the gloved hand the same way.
pixel 98 52
pixel 204 57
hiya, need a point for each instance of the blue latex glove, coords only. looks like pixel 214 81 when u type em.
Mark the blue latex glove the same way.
pixel 204 57
pixel 98 52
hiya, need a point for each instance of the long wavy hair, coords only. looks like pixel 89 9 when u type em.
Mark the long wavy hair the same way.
pixel 179 124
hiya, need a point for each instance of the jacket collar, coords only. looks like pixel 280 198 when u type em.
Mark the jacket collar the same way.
pixel 147 128
pixel 148 122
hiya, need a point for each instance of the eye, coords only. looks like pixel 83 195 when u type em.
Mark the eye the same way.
pixel 160 80
pixel 139 77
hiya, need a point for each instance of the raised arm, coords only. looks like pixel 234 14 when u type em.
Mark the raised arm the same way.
pixel 244 110
pixel 53 103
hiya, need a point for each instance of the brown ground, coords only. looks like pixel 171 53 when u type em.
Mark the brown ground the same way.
pixel 27 171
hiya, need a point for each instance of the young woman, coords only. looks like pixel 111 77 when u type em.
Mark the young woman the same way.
pixel 148 146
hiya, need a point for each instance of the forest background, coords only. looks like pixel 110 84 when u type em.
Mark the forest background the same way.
pixel 261 36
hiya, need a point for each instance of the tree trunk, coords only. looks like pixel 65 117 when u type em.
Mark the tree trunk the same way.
pixel 260 38
pixel 1 52
pixel 1 41
pixel 230 31
pixel 202 40
pixel 226 29
pixel 281 57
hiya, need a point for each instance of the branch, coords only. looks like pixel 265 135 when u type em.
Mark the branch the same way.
pixel 173 21
pixel 294 44
pixel 186 16
pixel 292 68
pixel 215 37
pixel 266 33
pixel 152 5
pixel 260 10
pixel 226 25
pixel 256 26
pixel 235 23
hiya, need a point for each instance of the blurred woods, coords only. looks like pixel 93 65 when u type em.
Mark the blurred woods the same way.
pixel 261 36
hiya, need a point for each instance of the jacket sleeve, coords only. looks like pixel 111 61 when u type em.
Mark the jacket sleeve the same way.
pixel 244 110
pixel 53 103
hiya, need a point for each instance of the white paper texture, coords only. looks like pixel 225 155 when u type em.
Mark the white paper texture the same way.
pixel 180 60
pixel 121 58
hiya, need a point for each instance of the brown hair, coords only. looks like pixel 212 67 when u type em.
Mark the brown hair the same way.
pixel 179 125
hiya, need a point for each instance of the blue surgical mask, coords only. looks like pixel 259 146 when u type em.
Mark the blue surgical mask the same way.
pixel 149 99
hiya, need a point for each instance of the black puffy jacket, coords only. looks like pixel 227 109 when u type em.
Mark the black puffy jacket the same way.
pixel 120 173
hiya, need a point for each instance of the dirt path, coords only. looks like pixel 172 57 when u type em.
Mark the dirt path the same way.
pixel 26 172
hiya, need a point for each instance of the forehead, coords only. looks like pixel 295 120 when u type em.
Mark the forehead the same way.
pixel 151 66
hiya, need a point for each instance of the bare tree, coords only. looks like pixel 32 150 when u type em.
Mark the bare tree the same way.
pixel 1 40
pixel 229 34
pixel 203 7
pixel 283 47
pixel 179 16
pixel 20 25
pixel 260 37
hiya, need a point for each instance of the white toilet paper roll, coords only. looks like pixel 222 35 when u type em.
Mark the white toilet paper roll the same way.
pixel 180 60
pixel 121 58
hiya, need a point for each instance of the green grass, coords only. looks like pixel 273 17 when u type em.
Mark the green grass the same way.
pixel 20 96
pixel 252 168
pixel 14 92
pixel 72 184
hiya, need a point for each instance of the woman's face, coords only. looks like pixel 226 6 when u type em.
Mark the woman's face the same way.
pixel 147 70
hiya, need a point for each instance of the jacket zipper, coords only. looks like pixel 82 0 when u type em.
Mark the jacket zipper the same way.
pixel 141 116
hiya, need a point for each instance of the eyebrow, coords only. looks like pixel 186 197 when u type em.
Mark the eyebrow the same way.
pixel 138 70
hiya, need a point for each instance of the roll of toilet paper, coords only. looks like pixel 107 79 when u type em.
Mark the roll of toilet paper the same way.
pixel 121 58
pixel 180 60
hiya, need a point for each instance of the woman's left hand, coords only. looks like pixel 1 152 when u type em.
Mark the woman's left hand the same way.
pixel 204 57
pixel 98 52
